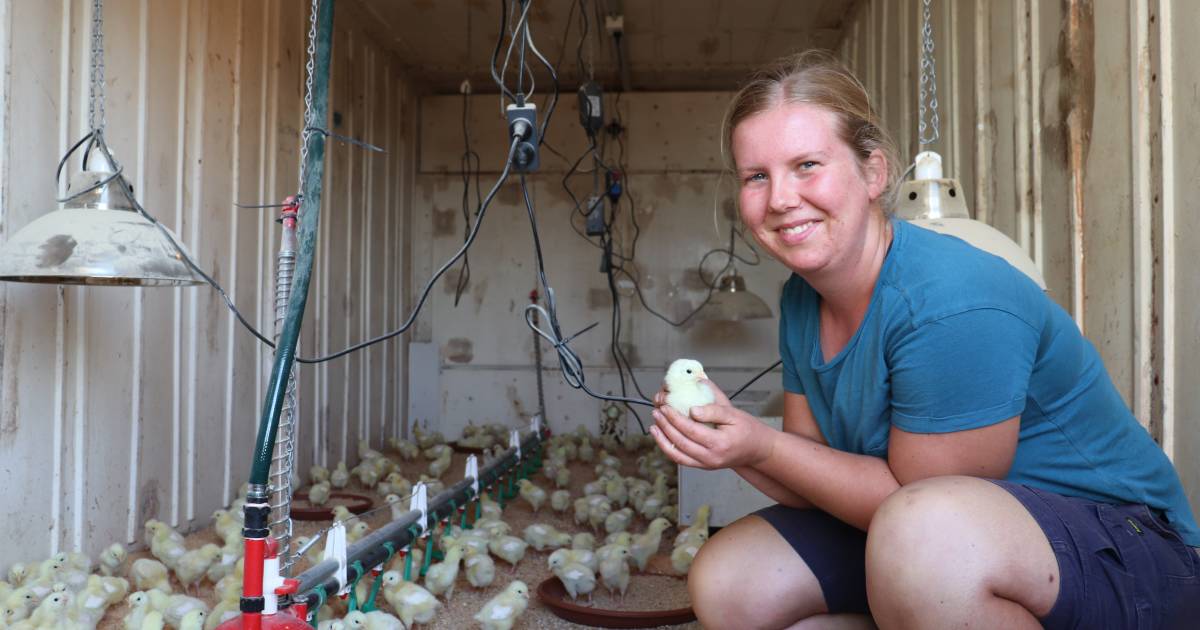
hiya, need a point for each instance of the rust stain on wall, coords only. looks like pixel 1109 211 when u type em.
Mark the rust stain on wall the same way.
pixel 444 220
pixel 1079 99
pixel 459 350
pixel 148 504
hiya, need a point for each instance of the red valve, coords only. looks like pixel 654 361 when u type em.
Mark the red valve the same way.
pixel 290 587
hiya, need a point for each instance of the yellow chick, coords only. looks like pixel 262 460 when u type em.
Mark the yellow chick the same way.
pixel 318 493
pixel 439 466
pixel 502 611
pixel 581 510
pixel 532 494
pixel 508 548
pixel 614 571
pixel 406 449
pixel 618 521
pixel 682 556
pixel 166 548
pixel 317 474
pixel 340 477
pixel 357 531
pixel 684 387
pixel 541 537
pixel 489 508
pixel 91 602
pixel 112 559
pixel 396 484
pixel 698 530
pixel 152 621
pixel 576 577
pixel 228 607
pixel 18 573
pixel 441 577
pixel 480 568
pixel 598 513
pixel 562 477
pixel 342 513
pixel 646 544
pixel 411 602
pixel 150 574
pixel 228 526
pixel 583 540
pixel 177 607
pixel 225 562
pixel 586 557
pixel 491 527
pixel 139 607
pixel 374 620
pixel 194 620
pixel 560 500
pixel 194 564
pixel 616 491
pixel 55 612
pixel 586 452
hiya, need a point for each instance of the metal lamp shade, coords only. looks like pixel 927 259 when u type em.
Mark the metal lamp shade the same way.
pixel 731 302
pixel 97 239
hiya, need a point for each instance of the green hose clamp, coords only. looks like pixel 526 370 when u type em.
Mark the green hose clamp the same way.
pixel 354 585
pixel 315 610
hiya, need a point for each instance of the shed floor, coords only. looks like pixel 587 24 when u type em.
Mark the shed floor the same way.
pixel 645 591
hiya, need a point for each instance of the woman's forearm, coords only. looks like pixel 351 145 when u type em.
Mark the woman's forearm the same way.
pixel 773 489
pixel 846 485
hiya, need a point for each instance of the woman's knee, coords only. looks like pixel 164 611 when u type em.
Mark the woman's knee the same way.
pixel 747 576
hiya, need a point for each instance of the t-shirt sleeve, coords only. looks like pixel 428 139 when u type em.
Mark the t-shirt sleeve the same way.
pixel 964 371
pixel 788 303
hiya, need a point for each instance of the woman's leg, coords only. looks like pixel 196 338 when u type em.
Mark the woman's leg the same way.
pixel 750 576
pixel 953 552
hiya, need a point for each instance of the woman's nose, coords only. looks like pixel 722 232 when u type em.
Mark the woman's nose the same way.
pixel 784 195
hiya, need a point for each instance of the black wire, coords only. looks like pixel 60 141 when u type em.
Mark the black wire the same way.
pixel 464 275
pixel 756 377
pixel 496 51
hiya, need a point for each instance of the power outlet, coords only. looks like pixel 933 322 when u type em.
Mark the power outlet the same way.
pixel 522 122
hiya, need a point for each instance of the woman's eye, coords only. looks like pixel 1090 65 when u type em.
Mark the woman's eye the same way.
pixel 756 177
pixel 808 165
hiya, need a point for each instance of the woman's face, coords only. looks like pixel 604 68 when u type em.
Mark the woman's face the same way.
pixel 803 192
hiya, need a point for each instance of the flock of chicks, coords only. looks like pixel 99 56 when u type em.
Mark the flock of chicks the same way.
pixel 63 591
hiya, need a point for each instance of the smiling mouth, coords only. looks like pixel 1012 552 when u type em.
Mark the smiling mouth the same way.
pixel 798 229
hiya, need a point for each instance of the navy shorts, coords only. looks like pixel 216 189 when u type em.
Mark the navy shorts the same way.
pixel 1122 566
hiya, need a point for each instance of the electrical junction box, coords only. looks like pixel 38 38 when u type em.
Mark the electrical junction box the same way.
pixel 595 216
pixel 729 496
pixel 525 159
pixel 591 107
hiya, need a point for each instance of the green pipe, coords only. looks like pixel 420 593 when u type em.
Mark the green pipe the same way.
pixel 310 213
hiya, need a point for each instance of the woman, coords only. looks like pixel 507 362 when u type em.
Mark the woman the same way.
pixel 953 452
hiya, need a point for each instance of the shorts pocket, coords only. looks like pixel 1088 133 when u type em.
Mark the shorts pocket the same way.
pixel 1172 556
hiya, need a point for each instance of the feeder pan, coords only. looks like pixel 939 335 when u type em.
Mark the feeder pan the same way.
pixel 555 597
pixel 356 503
pixel 470 450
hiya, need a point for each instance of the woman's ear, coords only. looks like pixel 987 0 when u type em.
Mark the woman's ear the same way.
pixel 875 171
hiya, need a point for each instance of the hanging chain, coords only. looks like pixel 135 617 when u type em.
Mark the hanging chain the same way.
pixel 309 123
pixel 928 133
pixel 96 88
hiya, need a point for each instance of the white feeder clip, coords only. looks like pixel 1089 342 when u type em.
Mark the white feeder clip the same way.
pixel 514 441
pixel 420 502
pixel 335 549
pixel 472 473
pixel 537 424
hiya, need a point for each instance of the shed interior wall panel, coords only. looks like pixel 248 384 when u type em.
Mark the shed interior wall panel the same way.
pixel 123 404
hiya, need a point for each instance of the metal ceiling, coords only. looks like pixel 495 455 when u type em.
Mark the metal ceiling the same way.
pixel 669 44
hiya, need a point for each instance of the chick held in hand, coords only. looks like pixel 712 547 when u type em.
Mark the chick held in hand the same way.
pixel 685 386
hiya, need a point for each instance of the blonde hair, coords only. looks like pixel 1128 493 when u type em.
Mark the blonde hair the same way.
pixel 816 77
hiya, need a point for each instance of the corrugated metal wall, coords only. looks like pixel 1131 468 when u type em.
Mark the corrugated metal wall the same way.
pixel 1063 119
pixel 121 404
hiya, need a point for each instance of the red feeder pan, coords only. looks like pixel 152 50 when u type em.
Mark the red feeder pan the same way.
pixel 303 511
pixel 555 597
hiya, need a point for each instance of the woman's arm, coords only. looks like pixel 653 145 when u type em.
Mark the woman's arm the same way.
pixel 797 419
pixel 773 489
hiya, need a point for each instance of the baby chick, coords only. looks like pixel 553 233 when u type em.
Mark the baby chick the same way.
pixel 194 564
pixel 532 494
pixel 139 607
pixel 616 491
pixel 340 477
pixel 614 571
pixel 150 574
pixel 229 526
pixel 374 620
pixel 318 494
pixel 501 611
pixel 562 477
pixel 586 452
pixel 439 466
pixel 646 544
pixel 407 450
pixel 176 607
pixel 194 620
pixel 565 556
pixel 542 536
pixel 508 548
pixel 576 577
pixel 684 388
pixel 698 530
pixel 489 508
pixel 55 612
pixel 481 569
pixel 342 513
pixel 682 556
pixel 357 531
pixel 581 510
pixel 317 474
pixel 440 577
pixel 618 521
pixel 583 540
pixel 560 500
pixel 166 547
pixel 411 602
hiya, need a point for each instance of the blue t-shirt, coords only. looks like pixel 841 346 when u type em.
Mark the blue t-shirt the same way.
pixel 956 338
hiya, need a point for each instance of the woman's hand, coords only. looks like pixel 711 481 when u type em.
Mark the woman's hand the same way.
pixel 736 438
